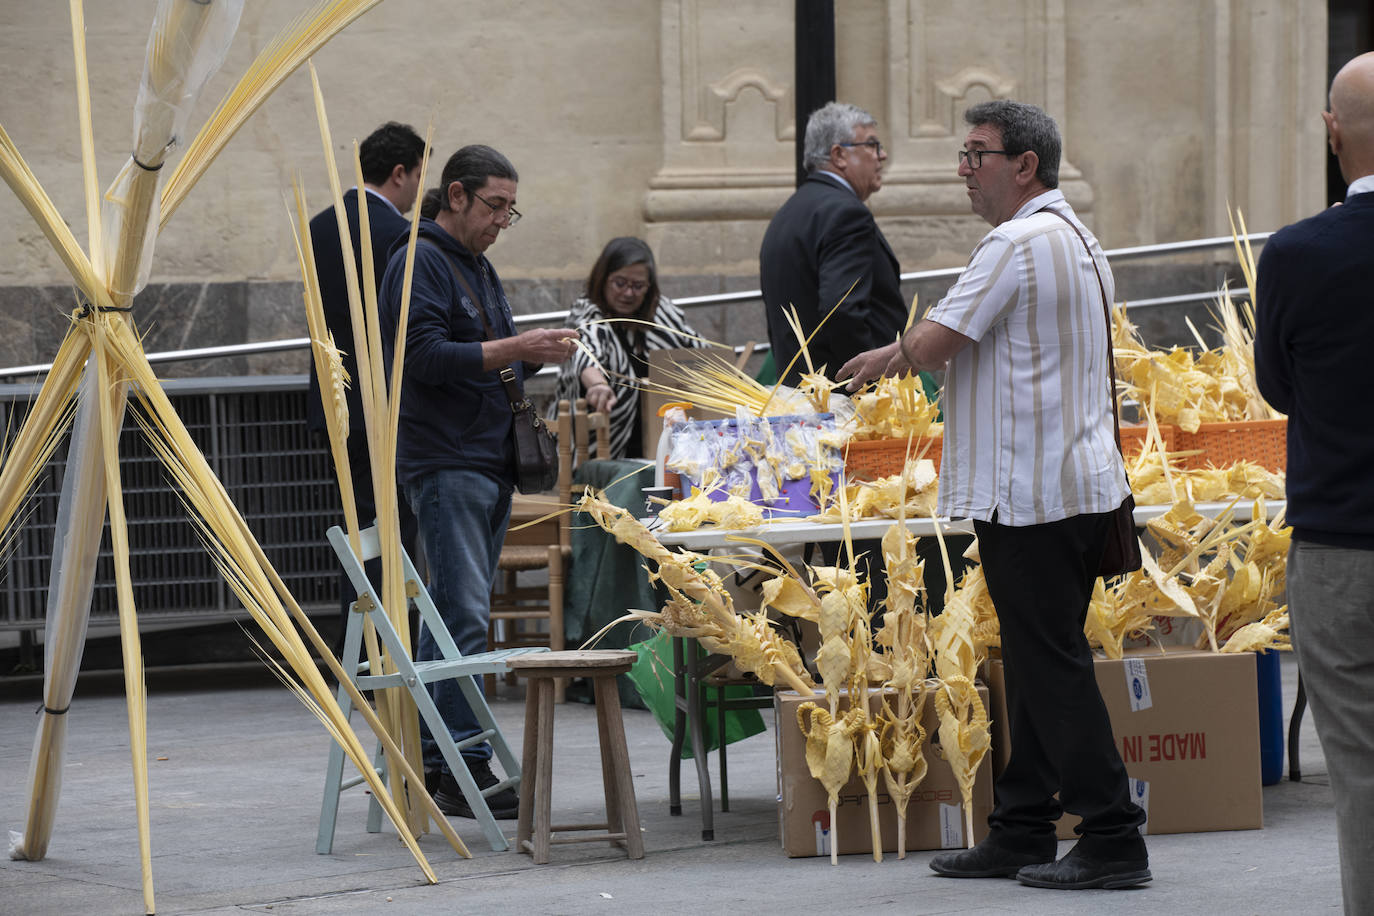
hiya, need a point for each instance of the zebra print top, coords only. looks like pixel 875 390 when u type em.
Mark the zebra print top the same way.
pixel 671 330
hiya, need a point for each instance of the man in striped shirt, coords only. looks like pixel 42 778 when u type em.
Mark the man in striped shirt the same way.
pixel 1031 458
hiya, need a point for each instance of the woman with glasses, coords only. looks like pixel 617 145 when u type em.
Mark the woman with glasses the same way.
pixel 621 318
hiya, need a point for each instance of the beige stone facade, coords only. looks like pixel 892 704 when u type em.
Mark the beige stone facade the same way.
pixel 673 120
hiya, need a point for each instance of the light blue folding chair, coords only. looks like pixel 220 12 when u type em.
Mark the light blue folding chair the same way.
pixel 414 676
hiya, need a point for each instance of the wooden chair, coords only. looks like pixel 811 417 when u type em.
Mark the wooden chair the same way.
pixel 582 432
pixel 414 677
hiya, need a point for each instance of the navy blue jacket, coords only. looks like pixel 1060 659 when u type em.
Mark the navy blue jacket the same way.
pixel 385 226
pixel 453 414
pixel 817 245
pixel 1314 326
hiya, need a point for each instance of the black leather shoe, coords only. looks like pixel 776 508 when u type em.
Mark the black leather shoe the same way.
pixel 984 861
pixel 448 795
pixel 1078 872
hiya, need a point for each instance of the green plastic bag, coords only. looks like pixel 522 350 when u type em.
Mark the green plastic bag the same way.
pixel 652 676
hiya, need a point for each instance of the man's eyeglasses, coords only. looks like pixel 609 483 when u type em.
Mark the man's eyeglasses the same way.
pixel 512 215
pixel 974 157
pixel 622 285
pixel 872 143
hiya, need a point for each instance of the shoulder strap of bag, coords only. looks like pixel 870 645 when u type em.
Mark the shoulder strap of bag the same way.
pixel 514 392
pixel 1107 311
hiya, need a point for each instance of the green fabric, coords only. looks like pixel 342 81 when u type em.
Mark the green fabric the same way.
pixel 607 578
pixel 652 676
pixel 932 390
pixel 768 372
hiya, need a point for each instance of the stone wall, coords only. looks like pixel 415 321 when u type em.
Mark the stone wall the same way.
pixel 673 120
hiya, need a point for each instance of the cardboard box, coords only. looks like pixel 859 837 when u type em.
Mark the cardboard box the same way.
pixel 934 816
pixel 1187 726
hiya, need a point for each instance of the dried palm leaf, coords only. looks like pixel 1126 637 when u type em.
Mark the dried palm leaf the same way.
pixel 288 50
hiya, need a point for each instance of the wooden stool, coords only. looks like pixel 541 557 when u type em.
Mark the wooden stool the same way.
pixel 622 814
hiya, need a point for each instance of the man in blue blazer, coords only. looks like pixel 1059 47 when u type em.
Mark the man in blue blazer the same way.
pixel 1314 323
pixel 823 241
pixel 390 158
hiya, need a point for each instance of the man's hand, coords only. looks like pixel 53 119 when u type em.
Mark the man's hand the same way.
pixel 539 346
pixel 873 364
pixel 547 345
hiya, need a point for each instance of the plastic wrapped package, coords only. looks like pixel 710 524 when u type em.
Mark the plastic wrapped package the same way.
pixel 771 461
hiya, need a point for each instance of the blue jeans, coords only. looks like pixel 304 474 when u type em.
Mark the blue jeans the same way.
pixel 463 516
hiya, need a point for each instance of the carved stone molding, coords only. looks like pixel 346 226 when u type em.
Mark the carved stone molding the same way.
pixel 707 121
pixel 939 65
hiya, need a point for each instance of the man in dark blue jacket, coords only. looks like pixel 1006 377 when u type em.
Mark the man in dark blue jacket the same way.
pixel 390 159
pixel 454 456
pixel 1314 322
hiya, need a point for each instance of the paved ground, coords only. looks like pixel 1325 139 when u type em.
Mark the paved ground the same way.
pixel 235 805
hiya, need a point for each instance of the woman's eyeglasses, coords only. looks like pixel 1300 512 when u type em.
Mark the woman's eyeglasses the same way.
pixel 622 285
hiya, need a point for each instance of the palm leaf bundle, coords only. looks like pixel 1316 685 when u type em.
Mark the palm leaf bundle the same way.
pixel 187 44
pixel 380 415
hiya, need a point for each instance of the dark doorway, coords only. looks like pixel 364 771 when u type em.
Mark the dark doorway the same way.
pixel 1349 32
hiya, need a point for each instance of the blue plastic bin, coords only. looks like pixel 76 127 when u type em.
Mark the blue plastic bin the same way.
pixel 1270 717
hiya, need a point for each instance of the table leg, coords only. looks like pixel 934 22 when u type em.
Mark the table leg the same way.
pixel 696 724
pixel 679 729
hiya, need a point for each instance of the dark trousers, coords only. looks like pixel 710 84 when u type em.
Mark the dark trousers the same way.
pixel 1041 578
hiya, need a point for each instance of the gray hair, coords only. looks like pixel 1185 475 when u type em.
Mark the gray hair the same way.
pixel 1024 128
pixel 831 124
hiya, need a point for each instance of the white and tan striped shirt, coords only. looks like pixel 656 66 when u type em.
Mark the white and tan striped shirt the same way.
pixel 1028 424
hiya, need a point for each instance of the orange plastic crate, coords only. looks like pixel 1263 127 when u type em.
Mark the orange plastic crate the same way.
pixel 1133 437
pixel 875 458
pixel 1265 442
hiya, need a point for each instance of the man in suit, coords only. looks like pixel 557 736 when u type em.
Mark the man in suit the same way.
pixel 1314 319
pixel 823 241
pixel 390 158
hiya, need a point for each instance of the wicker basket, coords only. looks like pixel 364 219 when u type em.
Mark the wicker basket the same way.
pixel 1265 442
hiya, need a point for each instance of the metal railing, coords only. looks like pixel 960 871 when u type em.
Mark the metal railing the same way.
pixel 250 430
pixel 540 319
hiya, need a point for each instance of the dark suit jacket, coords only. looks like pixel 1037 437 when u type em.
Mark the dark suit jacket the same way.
pixel 386 226
pixel 818 244
pixel 1314 321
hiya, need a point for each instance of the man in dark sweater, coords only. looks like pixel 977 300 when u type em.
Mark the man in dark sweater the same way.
pixel 454 456
pixel 390 159
pixel 1314 322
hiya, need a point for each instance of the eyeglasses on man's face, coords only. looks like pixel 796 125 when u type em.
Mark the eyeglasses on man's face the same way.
pixel 872 143
pixel 511 214
pixel 974 157
pixel 623 284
